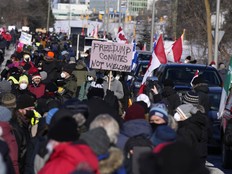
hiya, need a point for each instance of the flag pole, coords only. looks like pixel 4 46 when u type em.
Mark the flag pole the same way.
pixel 109 81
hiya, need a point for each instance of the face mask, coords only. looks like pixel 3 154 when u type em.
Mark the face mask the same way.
pixel 154 126
pixel 23 86
pixel 89 78
pixel 62 75
pixel 177 116
pixel 117 77
pixel 186 61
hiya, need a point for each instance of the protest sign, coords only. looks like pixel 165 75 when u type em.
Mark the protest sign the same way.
pixel 111 56
pixel 25 38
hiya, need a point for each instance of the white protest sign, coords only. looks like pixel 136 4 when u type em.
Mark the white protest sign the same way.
pixel 25 38
pixel 111 56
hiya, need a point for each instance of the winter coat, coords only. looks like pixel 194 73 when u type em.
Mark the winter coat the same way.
pixel 4 151
pixel 99 106
pixel 222 73
pixel 202 90
pixel 66 157
pixel 10 139
pixel 193 131
pixel 80 73
pixel 52 70
pixel 84 90
pixel 228 133
pixel 70 86
pixel 172 99
pixel 132 128
pixel 37 90
pixel 112 162
pixel 37 146
pixel 22 134
pixel 116 87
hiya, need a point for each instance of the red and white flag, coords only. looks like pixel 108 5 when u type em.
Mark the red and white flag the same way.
pixel 121 38
pixel 144 47
pixel 195 76
pixel 83 31
pixel 158 58
pixel 175 52
pixel 96 32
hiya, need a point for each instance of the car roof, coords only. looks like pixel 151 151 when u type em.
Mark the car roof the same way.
pixel 200 66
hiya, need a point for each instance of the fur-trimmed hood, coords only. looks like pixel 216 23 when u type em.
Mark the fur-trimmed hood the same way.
pixel 113 162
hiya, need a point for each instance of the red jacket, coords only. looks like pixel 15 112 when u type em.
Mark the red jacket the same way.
pixel 10 139
pixel 37 90
pixel 67 157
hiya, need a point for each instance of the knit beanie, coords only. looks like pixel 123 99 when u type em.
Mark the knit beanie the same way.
pixel 191 97
pixel 50 114
pixel 5 86
pixel 97 139
pixel 5 114
pixel 8 100
pixel 160 110
pixel 64 130
pixel 23 78
pixel 135 111
pixel 163 134
pixel 92 73
pixel 43 75
pixel 68 68
pixel 186 110
pixel 25 101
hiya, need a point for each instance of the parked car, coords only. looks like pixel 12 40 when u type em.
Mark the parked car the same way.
pixel 226 150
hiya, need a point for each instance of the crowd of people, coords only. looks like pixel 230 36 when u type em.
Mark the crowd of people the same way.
pixel 57 115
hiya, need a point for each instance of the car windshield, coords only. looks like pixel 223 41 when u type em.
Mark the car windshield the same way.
pixel 184 75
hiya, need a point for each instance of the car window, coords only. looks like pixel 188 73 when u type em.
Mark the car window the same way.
pixel 184 75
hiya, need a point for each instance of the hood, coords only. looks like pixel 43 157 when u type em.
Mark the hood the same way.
pixel 112 162
pixel 136 127
pixel 74 155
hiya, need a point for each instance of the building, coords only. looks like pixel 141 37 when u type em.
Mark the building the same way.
pixel 71 11
pixel 136 6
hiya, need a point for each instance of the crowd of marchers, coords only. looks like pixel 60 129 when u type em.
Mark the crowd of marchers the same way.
pixel 57 115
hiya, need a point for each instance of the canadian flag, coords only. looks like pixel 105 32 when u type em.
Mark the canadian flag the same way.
pixel 121 38
pixel 158 57
pixel 174 53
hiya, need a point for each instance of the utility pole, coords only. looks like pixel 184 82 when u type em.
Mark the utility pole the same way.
pixel 120 14
pixel 104 20
pixel 174 21
pixel 108 15
pixel 216 34
pixel 48 15
pixel 152 25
